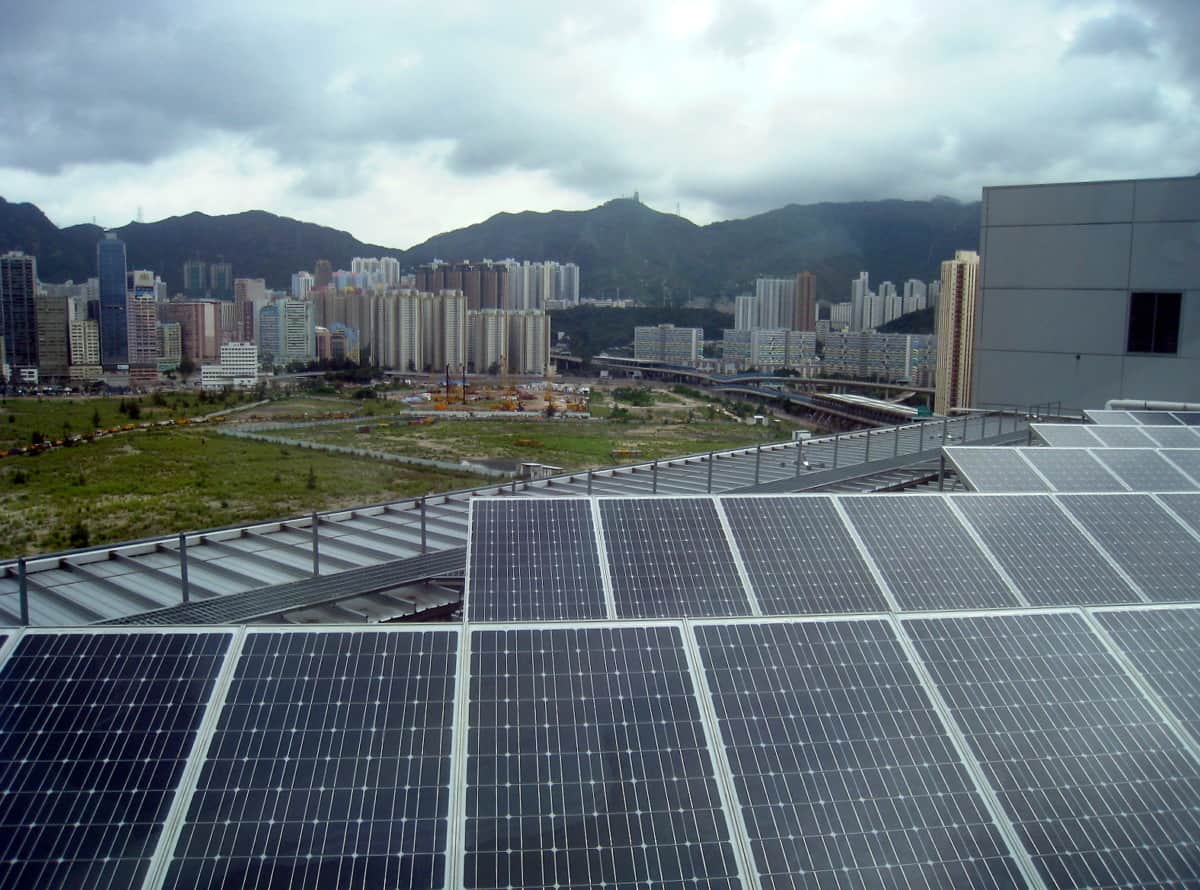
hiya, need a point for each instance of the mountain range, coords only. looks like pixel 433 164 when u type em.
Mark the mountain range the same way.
pixel 622 246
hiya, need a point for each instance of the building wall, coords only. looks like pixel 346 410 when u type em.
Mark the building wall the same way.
pixel 111 272
pixel 1059 263
pixel 53 350
pixel 18 312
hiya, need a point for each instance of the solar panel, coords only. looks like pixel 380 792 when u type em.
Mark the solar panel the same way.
pixel 95 731
pixel 1143 469
pixel 1050 560
pixel 533 560
pixel 842 768
pixel 1102 794
pixel 1161 643
pixel 1072 469
pixel 1111 418
pixel 588 765
pixel 1172 436
pixel 1190 418
pixel 669 558
pixel 1154 418
pixel 925 555
pixel 1065 435
pixel 329 765
pixel 1187 507
pixel 995 469
pixel 1188 460
pixel 800 556
pixel 1122 436
pixel 1154 549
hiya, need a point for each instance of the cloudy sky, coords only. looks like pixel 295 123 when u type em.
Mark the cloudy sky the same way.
pixel 398 120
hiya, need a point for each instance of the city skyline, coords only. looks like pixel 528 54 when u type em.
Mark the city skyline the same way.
pixel 630 107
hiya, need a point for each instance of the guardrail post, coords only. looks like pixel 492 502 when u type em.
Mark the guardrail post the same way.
pixel 1029 434
pixel 942 471
pixel 423 524
pixel 23 592
pixel 867 452
pixel 183 568
pixel 896 441
pixel 757 463
pixel 799 456
pixel 945 430
pixel 921 442
pixel 711 458
pixel 654 476
pixel 836 439
pixel 589 482
pixel 316 542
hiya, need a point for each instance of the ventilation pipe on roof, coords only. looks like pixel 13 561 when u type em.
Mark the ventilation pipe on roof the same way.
pixel 1137 405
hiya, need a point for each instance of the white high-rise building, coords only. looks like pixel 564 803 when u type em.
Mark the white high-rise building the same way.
pixel 454 325
pixel 390 268
pixel 776 303
pixel 893 306
pixel 745 313
pixel 859 288
pixel 302 284
pixel 840 315
pixel 297 331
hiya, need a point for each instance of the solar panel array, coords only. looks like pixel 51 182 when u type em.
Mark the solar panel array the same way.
pixel 95 731
pixel 533 560
pixel 1143 418
pixel 1070 469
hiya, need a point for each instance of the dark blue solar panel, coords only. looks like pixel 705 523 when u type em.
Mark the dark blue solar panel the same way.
pixel 534 560
pixel 1154 418
pixel 669 558
pixel 587 764
pixel 844 773
pixel 329 766
pixel 1187 507
pixel 1145 540
pixel 1101 792
pixel 95 731
pixel 800 556
pixel 1163 645
pixel 1191 418
pixel 1047 557
pixel 925 555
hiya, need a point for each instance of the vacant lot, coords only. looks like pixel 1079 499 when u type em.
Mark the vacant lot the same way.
pixel 173 479
pixel 571 444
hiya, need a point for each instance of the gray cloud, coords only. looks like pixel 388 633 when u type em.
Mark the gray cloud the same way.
pixel 735 109
pixel 1115 34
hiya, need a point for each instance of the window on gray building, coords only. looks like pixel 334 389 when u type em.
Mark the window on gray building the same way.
pixel 1154 322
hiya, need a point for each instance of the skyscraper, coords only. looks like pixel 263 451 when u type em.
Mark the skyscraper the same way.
pixel 195 279
pixel 111 270
pixel 53 352
pixel 955 331
pixel 859 287
pixel 142 318
pixel 220 281
pixel 806 302
pixel 18 309
pixel 745 312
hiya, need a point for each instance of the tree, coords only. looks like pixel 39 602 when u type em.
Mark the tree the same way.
pixel 187 367
pixel 95 418
pixel 311 483
pixel 79 535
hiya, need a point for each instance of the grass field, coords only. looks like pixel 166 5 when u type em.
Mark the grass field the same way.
pixel 167 480
pixel 570 444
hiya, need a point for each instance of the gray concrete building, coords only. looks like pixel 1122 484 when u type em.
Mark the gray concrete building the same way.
pixel 1089 292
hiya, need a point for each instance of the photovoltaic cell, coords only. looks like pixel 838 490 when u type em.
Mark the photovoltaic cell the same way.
pixel 800 557
pixel 1187 506
pixel 843 770
pixel 587 764
pixel 534 560
pixel 1161 643
pixel 1143 469
pixel 1066 435
pixel 1072 469
pixel 1172 436
pixel 995 469
pixel 329 766
pixel 1100 791
pixel 669 558
pixel 1187 460
pixel 1111 418
pixel 1047 557
pixel 1190 418
pixel 1154 418
pixel 95 731
pixel 1154 549
pixel 1121 436
pixel 925 555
